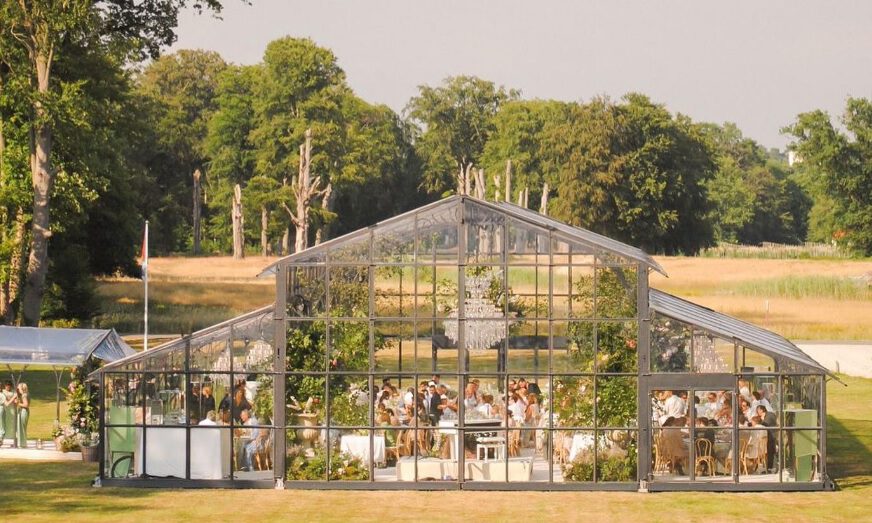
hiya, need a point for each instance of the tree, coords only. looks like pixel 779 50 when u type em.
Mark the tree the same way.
pixel 181 90
pixel 842 163
pixel 40 28
pixel 454 122
pixel 517 136
pixel 754 197
pixel 631 171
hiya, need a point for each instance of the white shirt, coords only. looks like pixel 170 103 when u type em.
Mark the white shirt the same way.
pixel 485 409
pixel 207 421
pixel 673 407
pixel 763 402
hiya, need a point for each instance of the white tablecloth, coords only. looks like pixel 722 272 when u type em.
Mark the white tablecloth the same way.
pixel 358 446
pixel 165 451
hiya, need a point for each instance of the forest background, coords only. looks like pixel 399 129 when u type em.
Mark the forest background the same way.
pixel 99 132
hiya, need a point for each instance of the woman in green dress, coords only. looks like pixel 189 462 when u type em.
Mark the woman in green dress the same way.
pixel 7 408
pixel 23 415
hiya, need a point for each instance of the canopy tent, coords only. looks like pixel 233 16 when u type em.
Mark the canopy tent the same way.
pixel 58 349
pixel 31 346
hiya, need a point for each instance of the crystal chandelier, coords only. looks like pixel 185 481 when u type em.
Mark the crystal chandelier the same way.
pixel 480 334
pixel 705 358
pixel 260 354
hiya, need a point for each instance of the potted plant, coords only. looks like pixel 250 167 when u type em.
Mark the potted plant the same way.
pixel 57 434
pixel 89 443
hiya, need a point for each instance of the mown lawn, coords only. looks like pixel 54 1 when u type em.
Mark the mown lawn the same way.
pixel 53 491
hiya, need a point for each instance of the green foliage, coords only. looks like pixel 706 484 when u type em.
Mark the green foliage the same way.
pixel 83 400
pixel 754 196
pixel 315 468
pixel 670 342
pixel 841 162
pixel 454 122
pixel 618 464
pixel 631 171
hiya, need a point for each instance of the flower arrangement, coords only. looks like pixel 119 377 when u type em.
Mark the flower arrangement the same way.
pixel 314 466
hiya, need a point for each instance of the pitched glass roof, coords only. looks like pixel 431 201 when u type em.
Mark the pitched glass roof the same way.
pixel 728 327
pixel 60 347
pixel 257 321
pixel 442 216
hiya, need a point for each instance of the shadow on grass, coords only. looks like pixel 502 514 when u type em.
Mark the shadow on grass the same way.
pixel 35 488
pixel 849 452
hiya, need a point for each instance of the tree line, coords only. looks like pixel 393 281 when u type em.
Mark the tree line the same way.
pixel 276 156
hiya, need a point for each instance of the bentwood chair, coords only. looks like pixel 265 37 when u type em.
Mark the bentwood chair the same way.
pixel 704 456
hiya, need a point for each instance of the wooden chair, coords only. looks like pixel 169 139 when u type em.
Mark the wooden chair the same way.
pixel 663 462
pixel 704 456
pixel 561 453
pixel 743 455
pixel 514 444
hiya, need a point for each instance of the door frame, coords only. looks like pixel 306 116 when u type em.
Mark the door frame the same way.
pixel 678 381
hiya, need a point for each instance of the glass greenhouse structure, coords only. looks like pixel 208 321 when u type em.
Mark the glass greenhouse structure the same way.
pixel 476 345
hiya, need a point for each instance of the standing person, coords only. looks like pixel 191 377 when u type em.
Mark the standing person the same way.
pixel 23 402
pixel 7 409
pixel 207 401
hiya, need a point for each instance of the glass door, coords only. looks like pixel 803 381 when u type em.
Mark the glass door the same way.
pixel 692 430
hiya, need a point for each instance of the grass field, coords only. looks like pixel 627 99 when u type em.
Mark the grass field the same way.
pixel 52 491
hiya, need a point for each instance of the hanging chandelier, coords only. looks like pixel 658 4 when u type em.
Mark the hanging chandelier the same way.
pixel 480 334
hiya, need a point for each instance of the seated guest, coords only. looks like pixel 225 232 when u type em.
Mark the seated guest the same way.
pixel 673 444
pixel 724 416
pixel 713 405
pixel 470 401
pixel 209 419
pixel 745 409
pixel 248 420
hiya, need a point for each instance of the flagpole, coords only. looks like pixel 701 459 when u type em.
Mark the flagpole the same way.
pixel 145 279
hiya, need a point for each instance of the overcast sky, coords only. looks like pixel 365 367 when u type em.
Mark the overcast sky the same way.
pixel 755 63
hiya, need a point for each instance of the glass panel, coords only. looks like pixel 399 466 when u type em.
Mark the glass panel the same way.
pixel 442 354
pixel 670 345
pixel 351 250
pixel 711 354
pixel 349 346
pixel 486 450
pixel 616 401
pixel 394 344
pixel 210 453
pixel 669 407
pixel 565 251
pixel 616 455
pixel 527 244
pixel 349 291
pixel 165 399
pixel 575 454
pixel 573 344
pixel 211 353
pixel 394 243
pixel 350 456
pixel 753 361
pixel 203 389
pixel 123 391
pixel 349 401
pixel 307 291
pixel 167 359
pixel 394 290
pixel 485 292
pixel 121 444
pixel 753 453
pixel 485 345
pixel 581 291
pixel 671 452
pixel 528 291
pixel 437 234
pixel 802 398
pixel 573 401
pixel 528 347
pixel 437 291
pixel 801 454
pixel 484 234
pixel 616 346
pixel 615 292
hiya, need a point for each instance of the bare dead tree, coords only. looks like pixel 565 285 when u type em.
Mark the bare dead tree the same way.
pixel 238 219
pixel 543 205
pixel 264 226
pixel 306 191
pixel 197 210
pixel 508 180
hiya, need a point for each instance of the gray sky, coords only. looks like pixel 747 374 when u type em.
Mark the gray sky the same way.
pixel 755 63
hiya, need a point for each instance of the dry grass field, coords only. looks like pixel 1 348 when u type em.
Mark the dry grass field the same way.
pixel 801 299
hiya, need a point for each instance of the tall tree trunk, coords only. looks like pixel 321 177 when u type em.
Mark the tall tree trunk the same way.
pixel 197 210
pixel 43 181
pixel 264 226
pixel 305 190
pixel 327 202
pixel 238 219
pixel 508 193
